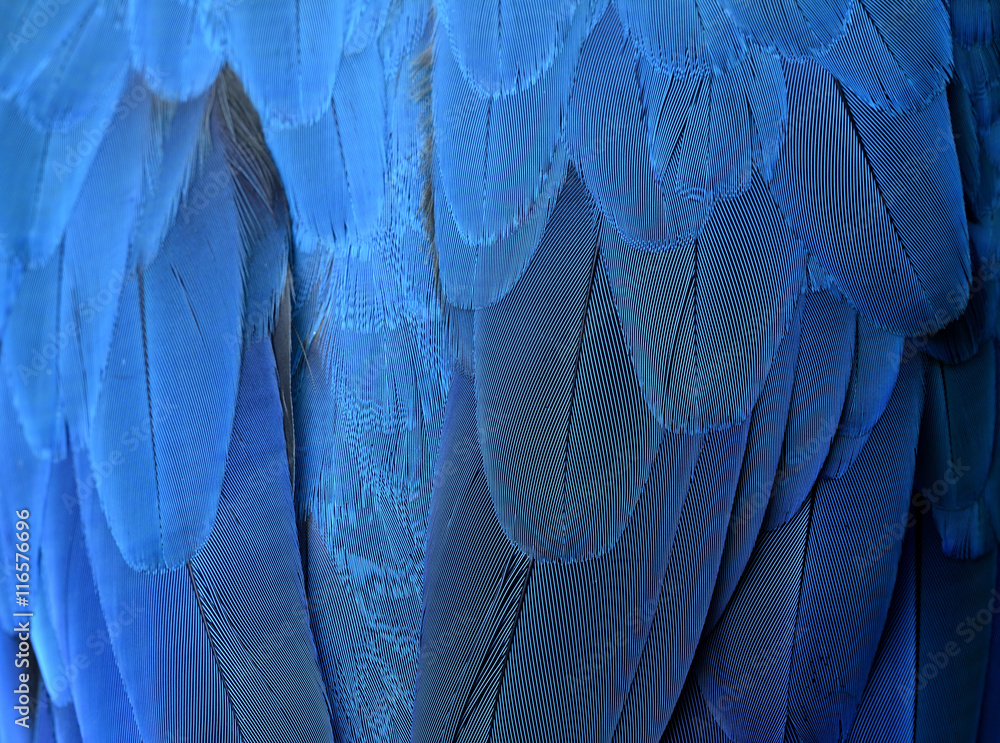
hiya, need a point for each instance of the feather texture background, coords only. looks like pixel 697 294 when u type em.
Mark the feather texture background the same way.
pixel 474 370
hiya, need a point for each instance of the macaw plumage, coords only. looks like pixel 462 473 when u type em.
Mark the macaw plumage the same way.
pixel 495 370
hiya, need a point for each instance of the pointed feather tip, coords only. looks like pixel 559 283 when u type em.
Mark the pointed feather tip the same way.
pixel 844 449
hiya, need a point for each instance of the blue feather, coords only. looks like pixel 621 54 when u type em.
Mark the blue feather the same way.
pixel 43 725
pixel 235 660
pixel 476 276
pixel 45 171
pixel 885 216
pixel 366 20
pixel 369 393
pixel 609 142
pixel 88 671
pixel 24 485
pixel 452 692
pixel 34 34
pixel 80 69
pixel 29 361
pixel 704 321
pixel 286 53
pixel 894 60
pixel 822 375
pixel 760 464
pixel 715 126
pixel 676 37
pixel 162 419
pixel 796 29
pixel 877 356
pixel 505 47
pixel 551 386
pixel 126 206
pixel 334 168
pixel 368 404
pixel 685 589
pixel 489 167
pixel 161 424
pixel 170 48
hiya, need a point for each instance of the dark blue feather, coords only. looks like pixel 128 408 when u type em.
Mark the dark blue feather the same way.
pixel 11 274
pixel 977 68
pixel 886 709
pixel 989 720
pixel 43 725
pixel 956 452
pixel 849 568
pixel 742 667
pixel 55 529
pixel 957 604
pixel 974 21
pixel 692 720
pixel 489 637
